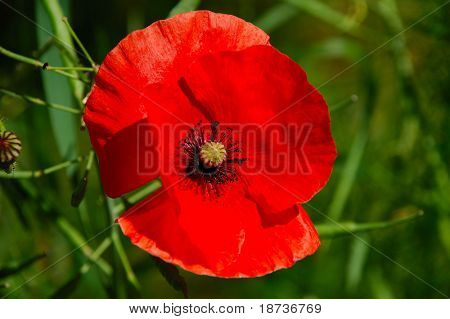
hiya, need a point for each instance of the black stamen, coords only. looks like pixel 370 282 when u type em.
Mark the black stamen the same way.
pixel 214 130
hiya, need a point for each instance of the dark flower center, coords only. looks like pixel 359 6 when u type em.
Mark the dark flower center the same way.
pixel 210 157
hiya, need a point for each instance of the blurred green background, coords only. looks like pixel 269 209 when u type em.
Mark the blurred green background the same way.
pixel 392 142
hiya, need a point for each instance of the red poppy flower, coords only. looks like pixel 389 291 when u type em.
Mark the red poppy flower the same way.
pixel 234 130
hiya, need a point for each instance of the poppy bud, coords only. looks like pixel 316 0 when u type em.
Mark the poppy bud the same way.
pixel 10 147
pixel 79 192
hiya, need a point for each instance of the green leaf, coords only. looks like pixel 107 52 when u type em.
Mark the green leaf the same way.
pixel 57 90
pixel 37 101
pixel 184 6
pixel 338 229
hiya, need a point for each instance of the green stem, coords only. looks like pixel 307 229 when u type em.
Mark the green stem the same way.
pixel 144 192
pixel 77 40
pixel 77 239
pixel 21 58
pixel 90 160
pixel 120 250
pixel 38 64
pixel 70 68
pixel 38 101
pixel 41 172
pixel 332 230
pixel 69 75
pixel 68 55
pixel 96 255
pixel 137 196
pixel 42 50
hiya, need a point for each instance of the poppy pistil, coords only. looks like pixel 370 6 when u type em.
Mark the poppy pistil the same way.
pixel 213 154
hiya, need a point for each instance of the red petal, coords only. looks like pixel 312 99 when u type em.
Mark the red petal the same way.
pixel 201 236
pixel 155 54
pixel 267 249
pixel 223 238
pixel 260 86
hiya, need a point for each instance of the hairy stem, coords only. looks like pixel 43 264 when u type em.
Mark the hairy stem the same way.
pixel 39 64
pixel 69 68
pixel 77 40
pixel 38 101
pixel 41 172
pixel 77 239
